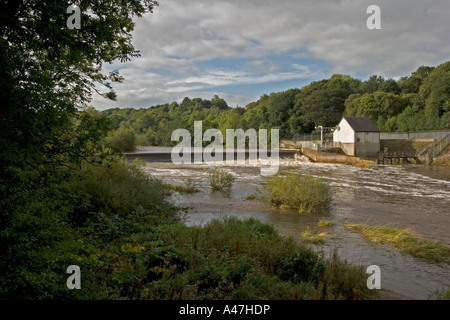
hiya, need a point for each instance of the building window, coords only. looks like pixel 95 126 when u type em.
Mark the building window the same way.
pixel 357 139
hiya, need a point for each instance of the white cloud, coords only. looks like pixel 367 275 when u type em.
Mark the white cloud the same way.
pixel 181 35
pixel 215 78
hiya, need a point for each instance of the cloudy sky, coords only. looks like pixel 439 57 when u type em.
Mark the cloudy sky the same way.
pixel 242 49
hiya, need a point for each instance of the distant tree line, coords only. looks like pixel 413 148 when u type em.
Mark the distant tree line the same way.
pixel 417 102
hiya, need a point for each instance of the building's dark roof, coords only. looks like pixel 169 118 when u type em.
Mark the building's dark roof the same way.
pixel 362 124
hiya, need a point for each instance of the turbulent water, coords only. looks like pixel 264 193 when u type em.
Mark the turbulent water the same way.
pixel 413 196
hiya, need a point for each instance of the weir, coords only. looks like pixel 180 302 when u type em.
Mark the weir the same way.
pixel 397 157
pixel 166 156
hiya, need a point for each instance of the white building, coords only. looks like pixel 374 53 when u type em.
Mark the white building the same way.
pixel 359 136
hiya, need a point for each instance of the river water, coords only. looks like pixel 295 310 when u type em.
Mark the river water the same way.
pixel 411 196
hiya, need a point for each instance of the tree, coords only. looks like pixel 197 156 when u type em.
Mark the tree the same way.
pixel 390 85
pixel 352 104
pixel 48 74
pixel 434 93
pixel 380 104
pixel 323 103
pixel 219 103
pixel 373 84
pixel 48 71
pixel 412 84
pixel 123 139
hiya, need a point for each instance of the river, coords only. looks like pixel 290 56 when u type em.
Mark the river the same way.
pixel 410 196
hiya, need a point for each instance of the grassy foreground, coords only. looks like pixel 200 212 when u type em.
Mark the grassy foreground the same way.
pixel 405 241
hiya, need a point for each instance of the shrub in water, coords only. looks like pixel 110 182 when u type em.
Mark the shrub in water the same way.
pixel 220 179
pixel 301 192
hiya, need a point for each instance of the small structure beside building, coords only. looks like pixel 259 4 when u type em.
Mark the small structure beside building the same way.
pixel 358 136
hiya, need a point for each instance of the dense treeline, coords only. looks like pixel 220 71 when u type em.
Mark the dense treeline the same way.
pixel 417 102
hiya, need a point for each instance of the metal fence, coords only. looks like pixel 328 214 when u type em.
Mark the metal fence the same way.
pixel 310 145
pixel 328 137
pixel 322 147
pixel 436 148
pixel 312 137
pixel 440 134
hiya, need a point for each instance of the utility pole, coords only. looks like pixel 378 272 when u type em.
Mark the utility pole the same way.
pixel 321 132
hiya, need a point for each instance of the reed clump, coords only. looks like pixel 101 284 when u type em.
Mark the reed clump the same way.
pixel 308 236
pixel 189 187
pixel 325 223
pixel 406 241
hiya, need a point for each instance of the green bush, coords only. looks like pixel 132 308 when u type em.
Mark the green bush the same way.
pixel 301 192
pixel 220 179
pixel 234 259
pixel 84 220
pixel 122 139
pixel 37 245
pixel 116 187
pixel 303 266
pixel 344 281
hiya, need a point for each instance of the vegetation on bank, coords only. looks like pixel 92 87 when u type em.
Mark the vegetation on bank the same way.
pixel 405 241
pixel 296 191
pixel 234 259
pixel 442 160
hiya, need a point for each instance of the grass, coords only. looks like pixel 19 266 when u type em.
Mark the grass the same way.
pixel 296 191
pixel 406 241
pixel 189 187
pixel 226 259
pixel 246 259
pixel 366 164
pixel 443 294
pixel 220 179
pixel 308 236
pixel 325 223
pixel 442 160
